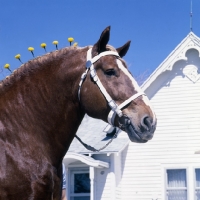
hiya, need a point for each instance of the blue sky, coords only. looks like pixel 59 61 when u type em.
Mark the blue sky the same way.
pixel 155 27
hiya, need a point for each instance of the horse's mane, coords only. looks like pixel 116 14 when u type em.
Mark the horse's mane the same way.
pixel 37 63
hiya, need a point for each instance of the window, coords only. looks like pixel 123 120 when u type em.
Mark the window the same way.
pixel 197 183
pixel 176 184
pixel 79 184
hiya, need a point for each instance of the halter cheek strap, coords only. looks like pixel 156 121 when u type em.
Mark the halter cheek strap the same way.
pixel 115 109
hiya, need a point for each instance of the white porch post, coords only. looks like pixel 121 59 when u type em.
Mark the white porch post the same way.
pixel 92 186
pixel 112 177
pixel 191 182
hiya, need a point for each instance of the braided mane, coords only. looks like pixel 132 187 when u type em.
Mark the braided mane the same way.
pixel 36 64
pixel 39 63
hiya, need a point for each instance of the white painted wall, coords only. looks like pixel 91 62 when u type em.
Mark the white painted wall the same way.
pixel 176 100
pixel 138 172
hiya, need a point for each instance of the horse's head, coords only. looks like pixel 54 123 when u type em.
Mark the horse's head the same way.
pixel 112 94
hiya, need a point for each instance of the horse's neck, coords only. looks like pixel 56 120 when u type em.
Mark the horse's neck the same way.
pixel 46 106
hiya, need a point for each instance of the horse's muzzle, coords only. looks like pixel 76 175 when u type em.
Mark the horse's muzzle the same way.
pixel 146 132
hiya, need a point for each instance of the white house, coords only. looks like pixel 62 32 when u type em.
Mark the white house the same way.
pixel 165 168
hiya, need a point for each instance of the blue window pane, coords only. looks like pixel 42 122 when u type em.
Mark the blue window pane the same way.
pixel 197 172
pixel 177 194
pixel 80 198
pixel 176 178
pixel 197 194
pixel 81 183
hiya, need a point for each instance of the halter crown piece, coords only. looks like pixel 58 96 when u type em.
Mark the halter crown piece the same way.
pixel 115 109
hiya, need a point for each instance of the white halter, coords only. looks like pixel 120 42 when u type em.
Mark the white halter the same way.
pixel 115 109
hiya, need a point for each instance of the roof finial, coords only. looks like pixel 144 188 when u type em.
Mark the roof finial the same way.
pixel 191 16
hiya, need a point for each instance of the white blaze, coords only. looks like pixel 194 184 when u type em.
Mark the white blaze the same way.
pixel 136 86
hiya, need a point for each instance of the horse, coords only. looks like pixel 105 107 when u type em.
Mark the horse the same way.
pixel 43 102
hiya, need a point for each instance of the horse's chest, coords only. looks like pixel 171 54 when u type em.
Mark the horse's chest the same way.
pixel 25 179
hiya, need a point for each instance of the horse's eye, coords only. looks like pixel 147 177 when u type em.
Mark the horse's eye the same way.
pixel 110 72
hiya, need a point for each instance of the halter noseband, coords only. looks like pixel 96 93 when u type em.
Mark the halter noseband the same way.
pixel 115 109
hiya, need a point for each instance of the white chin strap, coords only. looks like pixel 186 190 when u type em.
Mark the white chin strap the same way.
pixel 115 109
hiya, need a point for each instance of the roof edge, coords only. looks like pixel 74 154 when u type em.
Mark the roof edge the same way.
pixel 108 152
pixel 191 41
pixel 72 157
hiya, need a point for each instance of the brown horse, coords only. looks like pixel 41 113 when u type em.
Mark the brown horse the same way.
pixel 41 107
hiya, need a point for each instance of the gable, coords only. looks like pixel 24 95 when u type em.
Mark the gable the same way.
pixel 184 55
pixel 183 72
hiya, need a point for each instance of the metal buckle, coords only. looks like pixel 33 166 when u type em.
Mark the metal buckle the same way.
pixel 112 104
pixel 88 64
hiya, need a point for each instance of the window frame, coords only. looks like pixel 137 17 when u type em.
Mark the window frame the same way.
pixel 175 188
pixel 72 171
pixel 195 187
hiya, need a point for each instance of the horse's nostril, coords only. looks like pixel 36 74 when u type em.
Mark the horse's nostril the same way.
pixel 147 122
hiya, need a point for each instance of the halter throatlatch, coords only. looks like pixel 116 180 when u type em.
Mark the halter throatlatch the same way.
pixel 115 109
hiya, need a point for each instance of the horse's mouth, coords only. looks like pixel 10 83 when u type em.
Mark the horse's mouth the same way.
pixel 134 135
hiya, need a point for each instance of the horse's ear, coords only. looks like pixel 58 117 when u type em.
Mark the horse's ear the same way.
pixel 123 50
pixel 100 46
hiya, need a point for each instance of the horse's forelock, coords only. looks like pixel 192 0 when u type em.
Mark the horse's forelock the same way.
pixel 110 48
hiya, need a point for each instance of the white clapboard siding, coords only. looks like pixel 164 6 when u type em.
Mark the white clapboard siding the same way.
pixel 138 172
pixel 177 137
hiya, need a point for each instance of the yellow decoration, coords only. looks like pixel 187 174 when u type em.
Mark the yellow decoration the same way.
pixel 55 42
pixel 18 57
pixel 7 66
pixel 75 44
pixel 31 49
pixel 70 40
pixel 43 45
